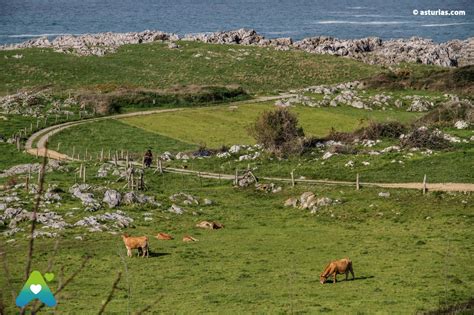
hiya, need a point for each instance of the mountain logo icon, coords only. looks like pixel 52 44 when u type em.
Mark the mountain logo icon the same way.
pixel 36 288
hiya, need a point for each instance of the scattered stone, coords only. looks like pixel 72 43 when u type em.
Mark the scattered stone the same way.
pixel 112 198
pixel 173 45
pixel 349 164
pixel 268 187
pixel 327 155
pixel 98 223
pixel 208 202
pixel 384 194
pixel 184 198
pixel 461 124
pixel 235 149
pixel 246 180
pixel 176 209
pixel 182 156
pixel 80 191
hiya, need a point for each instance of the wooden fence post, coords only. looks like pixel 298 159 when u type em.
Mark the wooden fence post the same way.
pixel 292 179
pixel 357 182
pixel 424 184
pixel 84 174
pixel 236 181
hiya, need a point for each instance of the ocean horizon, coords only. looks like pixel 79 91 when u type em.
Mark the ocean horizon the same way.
pixel 25 19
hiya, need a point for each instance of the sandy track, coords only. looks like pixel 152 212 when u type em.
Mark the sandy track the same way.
pixel 42 136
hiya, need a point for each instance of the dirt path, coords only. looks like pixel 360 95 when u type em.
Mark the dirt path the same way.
pixel 42 136
pixel 463 187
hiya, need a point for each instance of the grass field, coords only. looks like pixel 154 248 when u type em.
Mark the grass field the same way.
pixel 217 126
pixel 230 126
pixel 410 253
pixel 258 70
pixel 109 134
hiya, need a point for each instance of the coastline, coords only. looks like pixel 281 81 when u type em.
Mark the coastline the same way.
pixel 371 50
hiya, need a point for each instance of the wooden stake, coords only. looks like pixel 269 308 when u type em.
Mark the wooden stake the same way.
pixel 59 143
pixel 236 181
pixel 292 179
pixel 73 151
pixel 424 184
pixel 160 166
pixel 102 154
pixel 84 174
pixel 27 184
pixel 357 182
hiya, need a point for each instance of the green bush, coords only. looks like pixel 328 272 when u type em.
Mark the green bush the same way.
pixel 278 131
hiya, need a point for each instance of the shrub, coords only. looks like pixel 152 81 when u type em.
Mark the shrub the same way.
pixel 424 138
pixel 278 132
pixel 449 113
pixel 376 130
pixel 373 131
pixel 114 101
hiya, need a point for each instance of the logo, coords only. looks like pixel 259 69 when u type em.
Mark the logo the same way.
pixel 36 288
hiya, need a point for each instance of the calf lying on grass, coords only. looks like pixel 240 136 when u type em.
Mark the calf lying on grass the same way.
pixel 140 243
pixel 337 267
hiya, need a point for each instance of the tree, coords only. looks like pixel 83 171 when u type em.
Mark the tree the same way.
pixel 278 131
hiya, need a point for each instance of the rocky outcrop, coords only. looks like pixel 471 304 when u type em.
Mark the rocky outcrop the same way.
pixel 93 44
pixel 371 50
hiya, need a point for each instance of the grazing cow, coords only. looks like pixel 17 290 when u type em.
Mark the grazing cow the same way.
pixel 140 243
pixel 164 236
pixel 337 267
pixel 189 238
pixel 209 225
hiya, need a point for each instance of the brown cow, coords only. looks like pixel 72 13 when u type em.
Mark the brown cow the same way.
pixel 140 243
pixel 336 267
pixel 164 236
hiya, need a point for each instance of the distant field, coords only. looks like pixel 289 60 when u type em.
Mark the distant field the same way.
pixel 114 135
pixel 258 70
pixel 220 125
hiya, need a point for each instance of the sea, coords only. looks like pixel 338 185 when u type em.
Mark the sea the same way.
pixel 440 20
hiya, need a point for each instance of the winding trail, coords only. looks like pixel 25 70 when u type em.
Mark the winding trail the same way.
pixel 41 137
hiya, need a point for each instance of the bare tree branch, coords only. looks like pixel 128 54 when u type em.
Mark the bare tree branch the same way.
pixel 33 219
pixel 111 293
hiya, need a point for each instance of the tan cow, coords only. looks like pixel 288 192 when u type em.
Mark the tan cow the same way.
pixel 209 225
pixel 164 236
pixel 189 238
pixel 140 243
pixel 336 267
